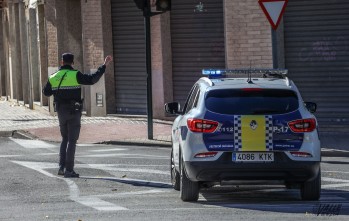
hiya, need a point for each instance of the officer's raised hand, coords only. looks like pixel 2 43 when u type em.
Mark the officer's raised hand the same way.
pixel 107 60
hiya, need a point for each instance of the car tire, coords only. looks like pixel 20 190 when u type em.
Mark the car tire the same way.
pixel 189 190
pixel 311 190
pixel 175 175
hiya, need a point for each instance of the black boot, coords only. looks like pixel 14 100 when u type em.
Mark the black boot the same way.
pixel 61 171
pixel 71 174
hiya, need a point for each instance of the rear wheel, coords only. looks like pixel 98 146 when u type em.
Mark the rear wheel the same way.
pixel 189 190
pixel 311 190
pixel 175 176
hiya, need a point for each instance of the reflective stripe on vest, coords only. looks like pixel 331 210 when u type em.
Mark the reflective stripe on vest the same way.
pixel 69 82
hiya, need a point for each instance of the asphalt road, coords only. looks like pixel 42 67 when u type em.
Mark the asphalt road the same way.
pixel 133 183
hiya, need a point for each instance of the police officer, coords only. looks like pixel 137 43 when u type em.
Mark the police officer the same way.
pixel 65 86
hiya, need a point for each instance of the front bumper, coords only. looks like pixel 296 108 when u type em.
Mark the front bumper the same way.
pixel 224 169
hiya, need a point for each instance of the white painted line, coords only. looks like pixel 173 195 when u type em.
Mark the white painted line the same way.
pixel 74 193
pixel 135 170
pixel 87 145
pixel 46 154
pixel 128 194
pixel 125 165
pixel 109 150
pixel 99 204
pixel 9 156
pixel 339 182
pixel 33 144
pixel 334 172
pixel 123 156
pixel 335 185
pixel 38 166
pixel 334 180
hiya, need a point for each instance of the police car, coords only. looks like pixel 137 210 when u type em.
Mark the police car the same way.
pixel 245 126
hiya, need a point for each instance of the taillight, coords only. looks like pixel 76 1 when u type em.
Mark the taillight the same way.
pixel 203 126
pixel 300 154
pixel 206 154
pixel 303 125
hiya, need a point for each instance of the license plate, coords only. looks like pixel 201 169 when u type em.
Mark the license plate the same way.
pixel 253 157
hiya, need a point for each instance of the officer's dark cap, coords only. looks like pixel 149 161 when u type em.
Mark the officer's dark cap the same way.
pixel 68 57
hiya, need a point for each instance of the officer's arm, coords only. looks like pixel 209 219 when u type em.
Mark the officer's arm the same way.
pixel 47 90
pixel 89 79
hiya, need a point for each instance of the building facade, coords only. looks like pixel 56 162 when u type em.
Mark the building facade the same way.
pixel 312 42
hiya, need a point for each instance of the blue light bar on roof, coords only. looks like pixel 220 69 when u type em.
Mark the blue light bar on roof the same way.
pixel 213 73
pixel 219 73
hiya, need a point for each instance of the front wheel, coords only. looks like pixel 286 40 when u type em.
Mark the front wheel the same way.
pixel 311 190
pixel 189 190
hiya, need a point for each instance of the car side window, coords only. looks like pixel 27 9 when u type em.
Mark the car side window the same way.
pixel 188 98
pixel 196 98
pixel 192 99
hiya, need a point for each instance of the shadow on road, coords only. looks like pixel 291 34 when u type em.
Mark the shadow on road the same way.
pixel 133 182
pixel 277 199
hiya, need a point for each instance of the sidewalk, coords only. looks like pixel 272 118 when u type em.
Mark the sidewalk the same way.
pixel 19 121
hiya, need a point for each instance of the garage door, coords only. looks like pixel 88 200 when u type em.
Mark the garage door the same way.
pixel 197 33
pixel 317 56
pixel 129 54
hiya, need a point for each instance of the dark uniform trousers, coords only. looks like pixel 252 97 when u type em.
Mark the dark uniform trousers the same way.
pixel 70 124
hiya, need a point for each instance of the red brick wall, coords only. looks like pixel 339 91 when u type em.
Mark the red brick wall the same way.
pixel 51 28
pixel 161 63
pixel 248 35
pixel 93 33
pixel 97 44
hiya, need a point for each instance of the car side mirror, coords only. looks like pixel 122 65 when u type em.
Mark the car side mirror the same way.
pixel 311 106
pixel 173 108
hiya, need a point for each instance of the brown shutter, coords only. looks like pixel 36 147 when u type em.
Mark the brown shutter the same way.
pixel 129 54
pixel 197 42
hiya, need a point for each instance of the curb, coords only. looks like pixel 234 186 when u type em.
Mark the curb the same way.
pixel 17 134
pixel 6 133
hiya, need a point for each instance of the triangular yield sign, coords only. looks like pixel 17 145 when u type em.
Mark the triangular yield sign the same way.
pixel 273 9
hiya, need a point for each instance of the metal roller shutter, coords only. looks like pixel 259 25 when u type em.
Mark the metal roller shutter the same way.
pixel 317 57
pixel 197 42
pixel 129 54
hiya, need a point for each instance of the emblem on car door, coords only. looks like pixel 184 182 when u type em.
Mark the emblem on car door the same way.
pixel 253 125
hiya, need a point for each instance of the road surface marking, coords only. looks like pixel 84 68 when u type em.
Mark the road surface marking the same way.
pixel 134 193
pixel 334 180
pixel 74 193
pixel 6 156
pixel 123 156
pixel 338 182
pixel 109 150
pixel 33 144
pixel 334 172
pixel 135 170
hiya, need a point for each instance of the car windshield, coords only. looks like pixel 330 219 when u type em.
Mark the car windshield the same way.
pixel 251 101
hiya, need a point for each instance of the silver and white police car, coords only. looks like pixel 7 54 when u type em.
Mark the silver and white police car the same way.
pixel 245 130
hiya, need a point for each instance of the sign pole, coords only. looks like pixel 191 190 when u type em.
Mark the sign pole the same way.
pixel 147 15
pixel 146 6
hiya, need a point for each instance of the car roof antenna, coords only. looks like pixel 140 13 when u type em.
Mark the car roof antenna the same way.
pixel 249 79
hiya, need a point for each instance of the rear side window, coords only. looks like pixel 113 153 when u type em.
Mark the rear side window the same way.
pixel 251 101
